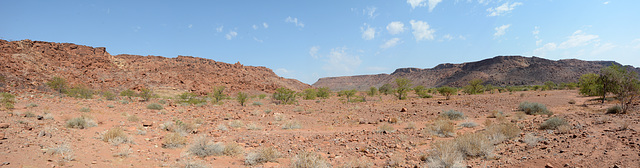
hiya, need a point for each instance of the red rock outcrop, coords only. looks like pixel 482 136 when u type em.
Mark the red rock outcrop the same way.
pixel 29 64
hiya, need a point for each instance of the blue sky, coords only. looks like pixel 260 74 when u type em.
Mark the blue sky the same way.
pixel 307 40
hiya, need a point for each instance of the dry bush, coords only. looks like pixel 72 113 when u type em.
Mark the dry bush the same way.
pixel 279 116
pixel 617 109
pixel 534 108
pixel 452 115
pixel 116 136
pixel 496 114
pixel 236 124
pixel 474 145
pixel 48 116
pixel 173 140
pixel 563 129
pixel 445 154
pixel 81 123
pixel 155 106
pixel 443 128
pixel 309 160
pixel 362 162
pixel 252 126
pixel 520 116
pixel 222 127
pixel 178 126
pixel 64 150
pixel 552 123
pixel 133 118
pixel 291 124
pixel 262 155
pixel 386 128
pixel 123 153
pixel 203 147
pixel 394 161
pixel 531 140
pixel 509 130
pixel 411 125
pixel 188 163
pixel 468 124
pixel 232 149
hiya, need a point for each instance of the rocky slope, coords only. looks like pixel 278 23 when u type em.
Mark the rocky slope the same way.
pixel 29 64
pixel 497 71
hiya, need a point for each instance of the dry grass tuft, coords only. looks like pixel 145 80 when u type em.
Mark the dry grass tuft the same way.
pixel 309 160
pixel 173 140
pixel 443 128
pixel 291 124
pixel 262 155
pixel 445 154
pixel 116 136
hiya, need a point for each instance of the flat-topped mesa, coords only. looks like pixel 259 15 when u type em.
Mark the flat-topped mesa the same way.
pixel 29 64
pixel 497 71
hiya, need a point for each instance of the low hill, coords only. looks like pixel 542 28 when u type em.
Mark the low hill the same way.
pixel 29 64
pixel 497 71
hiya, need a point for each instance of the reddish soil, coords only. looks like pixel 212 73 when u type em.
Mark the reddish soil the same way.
pixel 337 130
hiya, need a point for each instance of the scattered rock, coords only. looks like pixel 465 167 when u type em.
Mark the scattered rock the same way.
pixel 4 125
pixel 403 109
pixel 146 123
pixel 548 165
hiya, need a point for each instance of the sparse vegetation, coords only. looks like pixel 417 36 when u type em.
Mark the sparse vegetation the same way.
pixel 145 94
pixel 386 89
pixel 291 124
pixel 553 123
pixel 7 100
pixel 422 92
pixel 617 109
pixel 531 140
pixel 155 106
pixel 403 85
pixel 257 103
pixel 109 95
pixel 128 93
pixel 309 94
pixel 309 160
pixel 236 124
pixel 58 84
pixel 324 92
pixel 80 91
pixel 262 155
pixel 242 98
pixel 190 98
pixel 452 115
pixel 29 114
pixel 442 128
pixel 347 94
pixel 445 154
pixel 474 87
pixel 178 126
pixel 81 123
pixel 372 91
pixel 116 136
pixel 534 108
pixel 203 147
pixel 468 124
pixel 173 140
pixel 32 105
pixel 218 93
pixel 386 128
pixel 85 109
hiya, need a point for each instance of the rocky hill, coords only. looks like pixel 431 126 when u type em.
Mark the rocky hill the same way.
pixel 497 71
pixel 29 64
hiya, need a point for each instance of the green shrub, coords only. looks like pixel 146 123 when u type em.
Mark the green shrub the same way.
pixel 155 106
pixel 553 123
pixel 190 98
pixel 128 93
pixel 372 91
pixel 58 84
pixel 109 95
pixel 145 94
pixel 534 108
pixel 285 96
pixel 218 93
pixel 262 96
pixel 242 98
pixel 257 103
pixel 474 87
pixel 447 91
pixel 7 100
pixel 386 89
pixel 309 94
pixel 403 85
pixel 452 115
pixel 347 94
pixel 80 92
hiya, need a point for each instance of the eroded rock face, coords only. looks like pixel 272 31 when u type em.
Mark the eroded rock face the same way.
pixel 29 64
pixel 497 71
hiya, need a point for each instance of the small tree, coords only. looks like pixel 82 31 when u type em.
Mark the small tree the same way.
pixel 372 91
pixel 242 98
pixel 285 96
pixel 386 89
pixel 309 94
pixel 403 85
pixel 58 84
pixel 218 93
pixel 447 91
pixel 324 92
pixel 474 87
pixel 590 85
pixel 421 91
pixel 145 94
pixel 348 94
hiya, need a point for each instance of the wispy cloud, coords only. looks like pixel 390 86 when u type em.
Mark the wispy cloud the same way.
pixel 577 39
pixel 313 51
pixel 606 3
pixel 255 27
pixel 395 27
pixel 535 32
pixel 503 9
pixel 294 21
pixel 341 62
pixel 265 25
pixel 257 40
pixel 391 43
pixel 190 26
pixel 232 34
pixel 371 12
pixel 219 29
pixel 421 30
pixel 501 30
pixel 368 33
pixel 420 3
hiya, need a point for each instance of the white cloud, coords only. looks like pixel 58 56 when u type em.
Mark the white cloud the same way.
pixel 231 35
pixel 420 3
pixel 369 33
pixel 190 26
pixel 503 9
pixel 294 21
pixel 421 30
pixel 544 49
pixel 416 3
pixel 535 33
pixel 577 39
pixel 265 25
pixel 391 43
pixel 606 3
pixel 313 51
pixel 254 27
pixel 371 12
pixel 395 27
pixel 258 40
pixel 602 48
pixel 501 30
pixel 449 37
pixel 219 29
pixel 340 62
